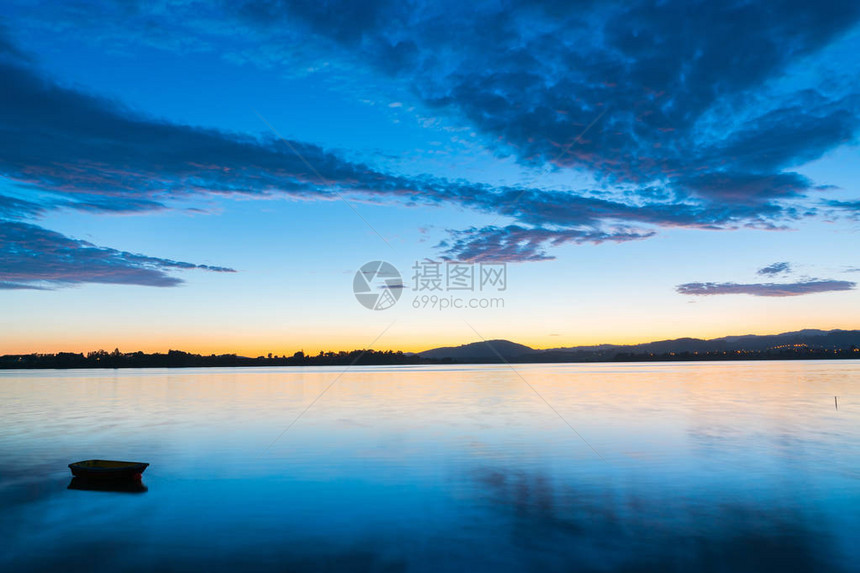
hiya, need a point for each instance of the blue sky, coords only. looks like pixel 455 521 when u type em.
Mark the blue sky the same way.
pixel 210 176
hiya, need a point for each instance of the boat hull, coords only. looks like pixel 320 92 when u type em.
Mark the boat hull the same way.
pixel 108 470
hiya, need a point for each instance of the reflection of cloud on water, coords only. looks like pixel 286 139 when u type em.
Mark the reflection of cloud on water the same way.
pixel 636 528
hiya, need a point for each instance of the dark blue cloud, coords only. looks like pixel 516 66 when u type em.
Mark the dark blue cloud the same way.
pixel 673 98
pixel 802 130
pixel 745 188
pixel 99 155
pixel 518 244
pixel 847 209
pixel 775 269
pixel 8 50
pixel 682 89
pixel 643 95
pixel 15 208
pixel 36 258
pixel 766 289
pixel 95 155
pixel 847 205
pixel 19 286
pixel 533 76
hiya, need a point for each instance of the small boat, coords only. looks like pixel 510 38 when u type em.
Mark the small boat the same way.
pixel 107 470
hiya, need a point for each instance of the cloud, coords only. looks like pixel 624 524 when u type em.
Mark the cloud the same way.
pixel 518 244
pixel 667 99
pixel 94 155
pixel 667 79
pixel 848 205
pixel 835 209
pixel 766 289
pixel 8 50
pixel 101 156
pixel 775 269
pixel 19 286
pixel 672 109
pixel 745 188
pixel 36 258
pixel 807 126
pixel 14 208
pixel 542 207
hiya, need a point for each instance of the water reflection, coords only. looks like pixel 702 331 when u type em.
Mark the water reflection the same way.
pixel 119 486
pixel 621 527
pixel 708 467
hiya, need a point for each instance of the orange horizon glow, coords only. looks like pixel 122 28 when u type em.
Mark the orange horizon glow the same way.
pixel 254 348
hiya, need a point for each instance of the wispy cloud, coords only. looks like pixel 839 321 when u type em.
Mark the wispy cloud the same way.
pixel 852 205
pixel 668 73
pixel 775 269
pixel 36 258
pixel 683 85
pixel 93 155
pixel 528 78
pixel 20 286
pixel 518 244
pixel 766 289
pixel 851 208
pixel 14 208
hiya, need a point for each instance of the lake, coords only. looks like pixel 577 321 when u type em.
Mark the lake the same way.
pixel 718 466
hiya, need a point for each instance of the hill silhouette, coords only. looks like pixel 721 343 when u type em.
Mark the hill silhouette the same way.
pixel 801 344
pixel 489 350
pixel 808 343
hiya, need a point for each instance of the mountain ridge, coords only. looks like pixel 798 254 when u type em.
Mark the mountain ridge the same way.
pixel 814 338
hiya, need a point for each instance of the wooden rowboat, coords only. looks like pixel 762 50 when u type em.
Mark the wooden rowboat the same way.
pixel 107 470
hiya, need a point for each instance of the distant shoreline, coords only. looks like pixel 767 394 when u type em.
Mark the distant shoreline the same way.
pixel 178 359
pixel 807 344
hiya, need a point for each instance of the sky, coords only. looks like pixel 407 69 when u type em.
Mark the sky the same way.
pixel 215 176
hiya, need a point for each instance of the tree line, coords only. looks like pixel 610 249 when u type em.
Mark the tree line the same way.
pixel 180 359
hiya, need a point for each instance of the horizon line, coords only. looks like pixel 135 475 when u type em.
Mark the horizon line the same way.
pixel 316 352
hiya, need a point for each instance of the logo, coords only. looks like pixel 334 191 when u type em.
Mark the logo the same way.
pixel 377 285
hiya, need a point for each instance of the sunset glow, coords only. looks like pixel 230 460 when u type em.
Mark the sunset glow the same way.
pixel 215 187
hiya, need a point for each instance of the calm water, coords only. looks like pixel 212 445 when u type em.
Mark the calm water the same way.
pixel 698 467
